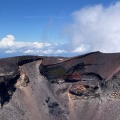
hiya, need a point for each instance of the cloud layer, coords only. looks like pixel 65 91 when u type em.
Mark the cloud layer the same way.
pixel 95 28
pixel 9 45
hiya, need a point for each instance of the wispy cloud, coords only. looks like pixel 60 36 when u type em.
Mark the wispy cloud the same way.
pixel 95 28
pixel 53 17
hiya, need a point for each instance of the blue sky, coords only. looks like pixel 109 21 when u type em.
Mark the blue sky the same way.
pixel 55 27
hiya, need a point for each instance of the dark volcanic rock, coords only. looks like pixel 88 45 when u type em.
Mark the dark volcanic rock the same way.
pixel 9 73
pixel 85 87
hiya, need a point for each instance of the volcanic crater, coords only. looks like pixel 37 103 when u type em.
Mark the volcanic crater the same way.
pixel 85 87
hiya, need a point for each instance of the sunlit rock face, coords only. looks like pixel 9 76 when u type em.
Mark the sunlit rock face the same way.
pixel 85 87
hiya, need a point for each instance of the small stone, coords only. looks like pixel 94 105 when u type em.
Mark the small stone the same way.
pixel 53 104
pixel 47 99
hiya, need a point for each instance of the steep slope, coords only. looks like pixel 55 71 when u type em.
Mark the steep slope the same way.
pixel 85 87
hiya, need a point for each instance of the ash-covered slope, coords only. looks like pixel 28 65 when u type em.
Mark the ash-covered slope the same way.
pixel 85 87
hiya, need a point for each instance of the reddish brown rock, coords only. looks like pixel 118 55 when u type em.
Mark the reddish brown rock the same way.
pixel 78 89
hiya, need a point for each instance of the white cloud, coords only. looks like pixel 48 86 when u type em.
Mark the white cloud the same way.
pixel 95 28
pixel 9 45
pixel 29 52
pixel 60 51
pixel 49 51
pixel 10 51
pixel 7 41
pixel 82 48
